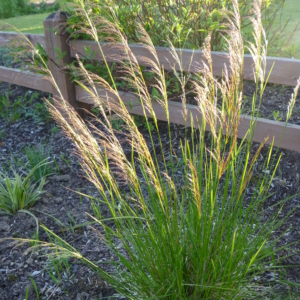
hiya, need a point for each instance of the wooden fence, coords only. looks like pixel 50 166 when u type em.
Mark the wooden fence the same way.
pixel 285 71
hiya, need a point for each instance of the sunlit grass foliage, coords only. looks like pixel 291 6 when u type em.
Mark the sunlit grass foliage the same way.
pixel 196 235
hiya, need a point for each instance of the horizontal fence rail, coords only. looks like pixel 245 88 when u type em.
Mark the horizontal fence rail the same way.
pixel 27 79
pixel 264 128
pixel 285 71
pixel 6 37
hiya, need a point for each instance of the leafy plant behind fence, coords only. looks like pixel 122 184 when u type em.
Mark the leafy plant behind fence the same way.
pixel 186 23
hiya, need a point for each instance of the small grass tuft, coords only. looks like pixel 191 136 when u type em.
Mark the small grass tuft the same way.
pixel 19 194
pixel 36 155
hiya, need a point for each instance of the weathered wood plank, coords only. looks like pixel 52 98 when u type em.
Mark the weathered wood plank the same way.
pixel 286 70
pixel 264 128
pixel 25 78
pixel 5 37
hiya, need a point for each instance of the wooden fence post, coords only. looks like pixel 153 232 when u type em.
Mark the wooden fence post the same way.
pixel 56 37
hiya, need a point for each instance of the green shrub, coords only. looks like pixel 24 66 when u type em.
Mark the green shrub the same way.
pixel 185 23
pixel 6 9
pixel 19 193
pixel 14 8
pixel 181 223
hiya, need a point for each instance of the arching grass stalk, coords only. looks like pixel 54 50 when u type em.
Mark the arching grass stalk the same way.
pixel 194 234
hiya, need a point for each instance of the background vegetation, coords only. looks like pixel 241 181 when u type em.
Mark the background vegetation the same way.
pixel 187 23
pixel 13 8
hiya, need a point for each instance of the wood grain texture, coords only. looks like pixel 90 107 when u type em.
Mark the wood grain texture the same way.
pixel 264 128
pixel 27 79
pixel 57 37
pixel 286 70
pixel 5 37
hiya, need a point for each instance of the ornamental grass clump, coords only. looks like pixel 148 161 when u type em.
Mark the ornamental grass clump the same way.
pixel 193 234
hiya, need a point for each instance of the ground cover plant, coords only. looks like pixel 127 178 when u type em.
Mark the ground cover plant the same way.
pixel 185 234
pixel 14 110
pixel 6 58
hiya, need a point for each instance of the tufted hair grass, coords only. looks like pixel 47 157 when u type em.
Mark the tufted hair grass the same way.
pixel 197 235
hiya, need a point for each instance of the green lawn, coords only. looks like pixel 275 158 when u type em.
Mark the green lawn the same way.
pixel 29 24
pixel 292 9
